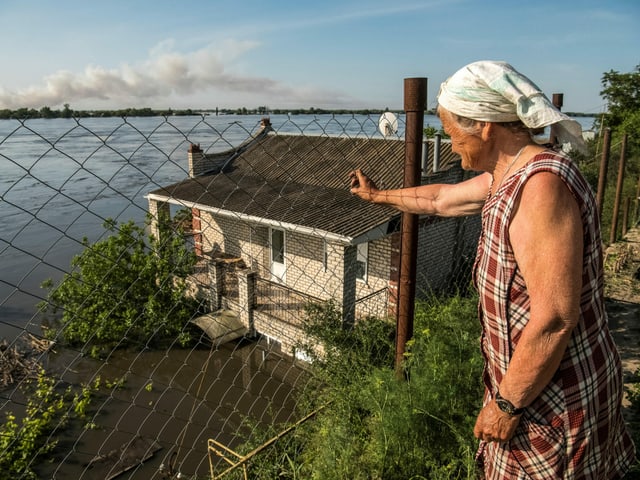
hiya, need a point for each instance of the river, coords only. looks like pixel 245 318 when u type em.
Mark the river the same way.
pixel 60 179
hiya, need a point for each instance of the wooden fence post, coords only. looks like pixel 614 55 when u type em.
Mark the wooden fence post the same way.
pixel 619 185
pixel 625 215
pixel 636 218
pixel 604 165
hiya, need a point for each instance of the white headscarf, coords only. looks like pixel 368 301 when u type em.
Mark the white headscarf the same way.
pixel 492 91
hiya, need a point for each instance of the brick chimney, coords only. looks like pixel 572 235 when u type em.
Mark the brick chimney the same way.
pixel 196 160
pixel 265 122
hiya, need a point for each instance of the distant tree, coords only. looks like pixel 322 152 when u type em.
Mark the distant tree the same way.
pixel 67 112
pixel 125 291
pixel 622 93
pixel 46 112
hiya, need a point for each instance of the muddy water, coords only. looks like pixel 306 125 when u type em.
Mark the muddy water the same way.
pixel 179 398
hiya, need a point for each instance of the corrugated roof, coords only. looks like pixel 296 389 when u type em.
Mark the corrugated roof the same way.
pixel 303 180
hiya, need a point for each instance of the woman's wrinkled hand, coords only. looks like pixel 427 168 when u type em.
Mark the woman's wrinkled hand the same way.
pixel 362 186
pixel 494 425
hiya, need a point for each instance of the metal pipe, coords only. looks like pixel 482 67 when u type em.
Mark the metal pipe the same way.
pixel 243 459
pixel 415 103
pixel 557 100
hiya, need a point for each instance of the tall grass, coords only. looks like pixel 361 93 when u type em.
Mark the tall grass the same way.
pixel 374 424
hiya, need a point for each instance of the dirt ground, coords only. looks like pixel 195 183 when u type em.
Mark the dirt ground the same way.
pixel 622 290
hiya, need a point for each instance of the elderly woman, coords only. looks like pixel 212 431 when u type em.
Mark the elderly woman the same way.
pixel 552 406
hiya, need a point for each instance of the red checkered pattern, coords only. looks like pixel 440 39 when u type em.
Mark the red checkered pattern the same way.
pixel 574 429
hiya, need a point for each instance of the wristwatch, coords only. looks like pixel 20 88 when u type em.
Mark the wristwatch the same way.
pixel 506 406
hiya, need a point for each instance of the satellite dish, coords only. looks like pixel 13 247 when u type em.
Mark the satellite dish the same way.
pixel 388 124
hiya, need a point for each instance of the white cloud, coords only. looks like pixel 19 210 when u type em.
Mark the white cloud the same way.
pixel 166 73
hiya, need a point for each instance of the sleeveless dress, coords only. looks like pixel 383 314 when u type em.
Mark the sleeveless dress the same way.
pixel 574 429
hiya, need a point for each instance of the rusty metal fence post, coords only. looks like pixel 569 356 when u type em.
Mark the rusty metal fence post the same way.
pixel 557 100
pixel 415 102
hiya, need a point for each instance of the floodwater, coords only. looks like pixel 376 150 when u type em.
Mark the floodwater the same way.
pixel 179 398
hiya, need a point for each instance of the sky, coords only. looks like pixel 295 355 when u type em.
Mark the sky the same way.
pixel 286 54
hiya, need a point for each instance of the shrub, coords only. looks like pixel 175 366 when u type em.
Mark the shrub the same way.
pixel 23 442
pixel 125 290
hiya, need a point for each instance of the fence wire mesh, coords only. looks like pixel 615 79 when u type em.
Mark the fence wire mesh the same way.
pixel 279 232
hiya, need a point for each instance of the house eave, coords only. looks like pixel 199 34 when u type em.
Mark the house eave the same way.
pixel 375 233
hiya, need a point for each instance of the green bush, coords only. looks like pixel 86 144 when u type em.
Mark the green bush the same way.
pixel 125 290
pixel 23 442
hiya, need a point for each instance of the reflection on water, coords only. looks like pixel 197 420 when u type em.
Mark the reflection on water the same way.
pixel 178 397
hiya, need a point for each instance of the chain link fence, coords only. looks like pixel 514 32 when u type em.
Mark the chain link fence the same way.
pixel 264 207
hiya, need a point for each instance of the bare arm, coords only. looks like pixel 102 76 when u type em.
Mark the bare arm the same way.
pixel 546 235
pixel 464 198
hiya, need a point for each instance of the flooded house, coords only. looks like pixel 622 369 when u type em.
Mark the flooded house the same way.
pixel 275 228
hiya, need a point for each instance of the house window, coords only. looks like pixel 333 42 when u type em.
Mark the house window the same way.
pixel 362 261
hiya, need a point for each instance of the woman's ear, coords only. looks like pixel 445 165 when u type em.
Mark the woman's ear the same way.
pixel 487 130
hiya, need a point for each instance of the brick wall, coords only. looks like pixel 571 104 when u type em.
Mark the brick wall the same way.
pixel 305 257
pixel 445 247
pixel 305 266
pixel 288 335
pixel 306 271
pixel 200 163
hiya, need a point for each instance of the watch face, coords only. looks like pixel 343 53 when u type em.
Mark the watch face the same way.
pixel 507 407
pixel 504 406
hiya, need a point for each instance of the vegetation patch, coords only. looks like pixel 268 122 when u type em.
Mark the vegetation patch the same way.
pixel 28 436
pixel 127 290
pixel 371 424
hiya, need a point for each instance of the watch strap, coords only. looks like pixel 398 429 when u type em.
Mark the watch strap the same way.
pixel 506 406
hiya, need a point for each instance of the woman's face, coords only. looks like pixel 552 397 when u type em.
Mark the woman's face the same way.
pixel 465 141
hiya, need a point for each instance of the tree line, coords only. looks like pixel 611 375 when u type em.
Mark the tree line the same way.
pixel 68 112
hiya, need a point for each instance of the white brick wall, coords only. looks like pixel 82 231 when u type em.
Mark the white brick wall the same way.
pixel 305 266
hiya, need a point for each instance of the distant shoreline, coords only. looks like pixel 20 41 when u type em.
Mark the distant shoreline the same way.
pixel 48 113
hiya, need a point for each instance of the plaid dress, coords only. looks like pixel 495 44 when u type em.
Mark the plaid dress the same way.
pixel 574 429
